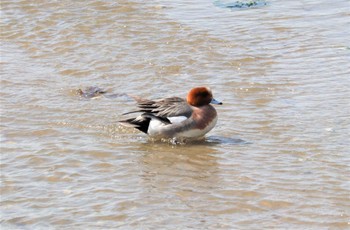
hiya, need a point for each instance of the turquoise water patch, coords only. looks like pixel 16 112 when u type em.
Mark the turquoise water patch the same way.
pixel 239 4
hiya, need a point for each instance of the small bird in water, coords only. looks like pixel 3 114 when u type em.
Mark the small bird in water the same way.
pixel 176 117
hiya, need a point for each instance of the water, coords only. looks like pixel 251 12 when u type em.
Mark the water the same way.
pixel 277 159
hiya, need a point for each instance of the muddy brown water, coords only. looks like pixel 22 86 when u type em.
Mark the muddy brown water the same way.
pixel 277 159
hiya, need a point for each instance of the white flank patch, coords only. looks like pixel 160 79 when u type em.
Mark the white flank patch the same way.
pixel 178 119
pixel 154 127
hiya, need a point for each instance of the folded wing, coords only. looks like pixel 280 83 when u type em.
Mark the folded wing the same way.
pixel 168 107
pixel 168 111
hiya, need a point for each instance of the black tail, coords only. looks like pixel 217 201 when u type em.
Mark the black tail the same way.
pixel 141 123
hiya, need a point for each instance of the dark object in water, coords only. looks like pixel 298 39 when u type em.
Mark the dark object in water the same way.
pixel 239 4
pixel 94 92
pixel 91 92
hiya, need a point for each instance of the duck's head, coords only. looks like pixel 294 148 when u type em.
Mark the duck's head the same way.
pixel 200 96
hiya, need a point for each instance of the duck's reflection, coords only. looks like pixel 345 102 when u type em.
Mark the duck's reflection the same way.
pixel 176 170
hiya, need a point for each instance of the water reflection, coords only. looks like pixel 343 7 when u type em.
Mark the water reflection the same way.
pixel 219 140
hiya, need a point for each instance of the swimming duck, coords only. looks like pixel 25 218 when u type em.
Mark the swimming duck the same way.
pixel 176 117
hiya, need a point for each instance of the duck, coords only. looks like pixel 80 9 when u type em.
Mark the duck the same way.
pixel 175 117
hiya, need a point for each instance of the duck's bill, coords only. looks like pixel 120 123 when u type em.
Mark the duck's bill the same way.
pixel 213 101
